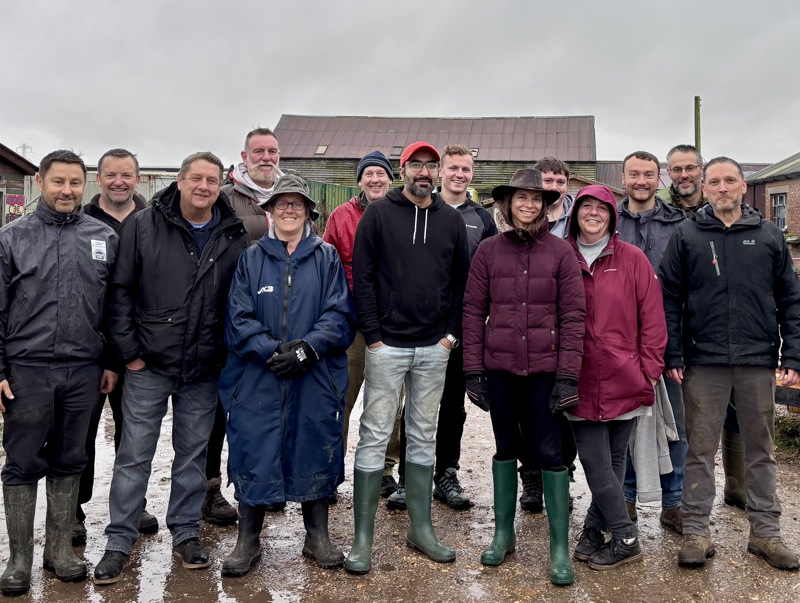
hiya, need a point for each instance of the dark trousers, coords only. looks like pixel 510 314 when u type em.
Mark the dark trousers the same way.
pixel 452 414
pixel 115 401
pixel 45 425
pixel 522 405
pixel 215 442
pixel 603 449
pixel 569 452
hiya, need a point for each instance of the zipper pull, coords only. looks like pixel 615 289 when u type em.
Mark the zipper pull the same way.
pixel 714 261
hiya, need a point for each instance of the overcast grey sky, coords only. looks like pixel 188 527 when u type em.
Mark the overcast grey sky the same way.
pixel 167 78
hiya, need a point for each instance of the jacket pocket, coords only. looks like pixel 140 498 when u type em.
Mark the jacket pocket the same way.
pixel 14 316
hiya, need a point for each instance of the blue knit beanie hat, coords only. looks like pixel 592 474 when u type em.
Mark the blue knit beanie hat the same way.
pixel 376 159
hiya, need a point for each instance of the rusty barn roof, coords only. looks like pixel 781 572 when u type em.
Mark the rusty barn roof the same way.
pixel 491 138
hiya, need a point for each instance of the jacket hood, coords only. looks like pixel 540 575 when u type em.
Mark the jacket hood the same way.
pixel 706 218
pixel 601 193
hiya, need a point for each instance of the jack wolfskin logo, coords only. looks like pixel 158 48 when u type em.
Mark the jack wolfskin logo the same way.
pixel 265 289
pixel 749 242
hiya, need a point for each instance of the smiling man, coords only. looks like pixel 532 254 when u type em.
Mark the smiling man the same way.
pixel 374 176
pixel 731 296
pixel 457 172
pixel 648 223
pixel 686 172
pixel 117 177
pixel 410 264
pixel 167 303
pixel 54 268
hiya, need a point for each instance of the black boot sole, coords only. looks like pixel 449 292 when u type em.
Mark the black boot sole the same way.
pixel 309 554
pixel 76 577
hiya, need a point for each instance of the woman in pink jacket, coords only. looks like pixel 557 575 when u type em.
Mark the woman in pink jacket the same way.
pixel 623 351
pixel 522 363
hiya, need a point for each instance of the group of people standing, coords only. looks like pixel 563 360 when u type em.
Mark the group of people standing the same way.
pixel 225 299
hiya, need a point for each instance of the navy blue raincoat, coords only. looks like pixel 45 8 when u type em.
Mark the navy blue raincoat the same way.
pixel 285 435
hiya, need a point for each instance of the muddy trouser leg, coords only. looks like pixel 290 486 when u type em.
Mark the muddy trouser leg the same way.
pixel 706 392
pixel 754 396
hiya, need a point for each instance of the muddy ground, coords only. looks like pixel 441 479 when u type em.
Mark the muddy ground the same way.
pixel 400 575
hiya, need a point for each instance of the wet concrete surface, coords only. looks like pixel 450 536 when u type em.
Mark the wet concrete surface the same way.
pixel 401 575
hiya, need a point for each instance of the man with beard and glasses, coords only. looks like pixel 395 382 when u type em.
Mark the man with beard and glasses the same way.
pixel 117 177
pixel 253 182
pixel 733 316
pixel 648 223
pixel 686 171
pixel 410 265
pixel 54 267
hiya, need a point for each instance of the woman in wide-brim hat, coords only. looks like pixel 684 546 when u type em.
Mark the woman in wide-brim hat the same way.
pixel 289 321
pixel 522 364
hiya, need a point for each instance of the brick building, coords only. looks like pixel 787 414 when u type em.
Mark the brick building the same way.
pixel 775 191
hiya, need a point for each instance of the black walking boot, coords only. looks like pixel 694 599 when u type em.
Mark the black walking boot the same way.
pixel 532 496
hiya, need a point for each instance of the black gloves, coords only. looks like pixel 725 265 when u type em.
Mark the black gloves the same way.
pixel 292 359
pixel 478 390
pixel 565 394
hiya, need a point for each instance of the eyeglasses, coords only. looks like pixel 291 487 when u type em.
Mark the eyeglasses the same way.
pixel 416 166
pixel 296 205
pixel 689 169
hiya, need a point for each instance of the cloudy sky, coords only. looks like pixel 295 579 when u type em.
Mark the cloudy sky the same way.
pixel 167 78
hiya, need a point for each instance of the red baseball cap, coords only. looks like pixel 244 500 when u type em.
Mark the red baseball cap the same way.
pixel 418 146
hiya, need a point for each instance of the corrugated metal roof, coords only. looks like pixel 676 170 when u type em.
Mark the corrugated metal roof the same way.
pixel 783 169
pixel 496 138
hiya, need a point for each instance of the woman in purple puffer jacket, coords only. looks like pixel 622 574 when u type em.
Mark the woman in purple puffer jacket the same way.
pixel 522 363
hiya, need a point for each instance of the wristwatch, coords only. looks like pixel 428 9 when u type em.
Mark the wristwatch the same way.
pixel 454 341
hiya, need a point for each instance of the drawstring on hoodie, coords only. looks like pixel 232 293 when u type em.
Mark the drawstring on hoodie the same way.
pixel 425 230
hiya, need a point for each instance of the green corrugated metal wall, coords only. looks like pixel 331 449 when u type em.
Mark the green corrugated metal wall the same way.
pixel 329 197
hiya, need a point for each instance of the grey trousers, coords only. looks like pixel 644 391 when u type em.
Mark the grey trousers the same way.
pixel 707 391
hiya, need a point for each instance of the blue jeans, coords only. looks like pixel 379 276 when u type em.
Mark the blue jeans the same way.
pixel 144 404
pixel 386 368
pixel 671 483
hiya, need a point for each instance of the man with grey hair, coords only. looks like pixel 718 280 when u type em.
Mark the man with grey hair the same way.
pixel 166 314
pixel 730 296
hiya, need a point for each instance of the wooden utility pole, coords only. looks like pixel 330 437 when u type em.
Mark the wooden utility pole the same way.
pixel 697 123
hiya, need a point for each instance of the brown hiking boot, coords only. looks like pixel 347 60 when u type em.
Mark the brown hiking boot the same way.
pixel 216 509
pixel 695 550
pixel 774 551
pixel 671 518
pixel 632 511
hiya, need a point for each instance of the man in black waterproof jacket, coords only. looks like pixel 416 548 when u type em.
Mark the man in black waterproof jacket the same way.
pixel 733 312
pixel 166 315
pixel 54 268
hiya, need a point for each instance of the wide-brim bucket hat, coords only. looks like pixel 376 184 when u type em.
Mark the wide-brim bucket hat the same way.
pixel 529 180
pixel 291 183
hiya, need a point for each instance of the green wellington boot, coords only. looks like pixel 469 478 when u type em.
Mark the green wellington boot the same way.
pixel 734 493
pixel 556 501
pixel 20 504
pixel 366 491
pixel 505 507
pixel 62 502
pixel 419 493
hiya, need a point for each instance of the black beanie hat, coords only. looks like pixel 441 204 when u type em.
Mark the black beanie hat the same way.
pixel 376 159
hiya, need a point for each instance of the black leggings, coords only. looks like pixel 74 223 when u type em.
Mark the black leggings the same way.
pixel 522 405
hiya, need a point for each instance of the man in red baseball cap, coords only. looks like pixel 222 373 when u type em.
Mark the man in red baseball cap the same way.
pixel 410 265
